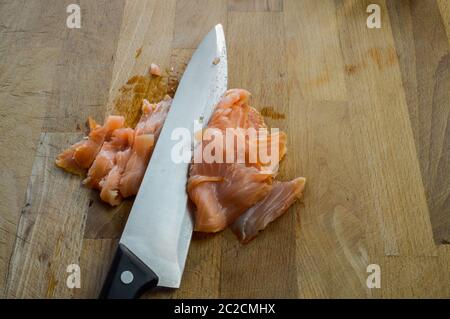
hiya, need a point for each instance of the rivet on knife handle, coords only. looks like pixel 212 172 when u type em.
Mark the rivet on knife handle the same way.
pixel 128 276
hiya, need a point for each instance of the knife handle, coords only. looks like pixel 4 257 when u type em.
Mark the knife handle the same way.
pixel 128 276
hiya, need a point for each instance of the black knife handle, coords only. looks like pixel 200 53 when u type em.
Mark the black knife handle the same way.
pixel 128 276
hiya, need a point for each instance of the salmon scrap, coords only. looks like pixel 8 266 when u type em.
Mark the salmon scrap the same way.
pixel 243 195
pixel 115 157
pixel 146 134
pixel 80 156
pixel 275 204
pixel 121 140
pixel 155 70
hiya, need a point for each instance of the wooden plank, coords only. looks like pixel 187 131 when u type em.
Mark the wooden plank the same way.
pixel 41 61
pixel 312 40
pixel 332 244
pixel 95 259
pixel 424 57
pixel 398 219
pixel 331 240
pixel 444 8
pixel 246 64
pixel 28 52
pixel 194 19
pixel 84 66
pixel 41 253
pixel 259 268
pixel 413 277
pixel 255 5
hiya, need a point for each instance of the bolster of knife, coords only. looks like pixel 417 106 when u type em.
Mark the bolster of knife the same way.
pixel 128 276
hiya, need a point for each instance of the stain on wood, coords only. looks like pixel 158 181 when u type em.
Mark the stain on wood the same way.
pixel 271 112
pixel 139 87
pixel 138 53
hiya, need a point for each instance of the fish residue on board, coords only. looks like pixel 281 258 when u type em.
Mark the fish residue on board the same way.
pixel 138 53
pixel 272 113
pixel 148 86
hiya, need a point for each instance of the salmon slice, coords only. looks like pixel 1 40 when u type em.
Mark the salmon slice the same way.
pixel 234 112
pixel 121 140
pixel 80 156
pixel 146 134
pixel 115 157
pixel 223 192
pixel 133 174
pixel 153 117
pixel 110 184
pixel 275 204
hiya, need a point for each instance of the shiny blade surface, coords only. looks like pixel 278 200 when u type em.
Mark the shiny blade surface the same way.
pixel 160 225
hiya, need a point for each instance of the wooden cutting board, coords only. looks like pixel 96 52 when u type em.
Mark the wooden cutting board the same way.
pixel 366 112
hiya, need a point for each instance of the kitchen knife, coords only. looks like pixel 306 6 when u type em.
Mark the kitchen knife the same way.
pixel 154 244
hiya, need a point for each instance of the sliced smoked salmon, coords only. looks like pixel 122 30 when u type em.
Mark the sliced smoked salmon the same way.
pixel 275 204
pixel 146 134
pixel 110 184
pixel 121 140
pixel 117 157
pixel 153 117
pixel 137 164
pixel 80 156
pixel 223 192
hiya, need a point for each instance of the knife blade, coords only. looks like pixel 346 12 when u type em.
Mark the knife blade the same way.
pixel 154 244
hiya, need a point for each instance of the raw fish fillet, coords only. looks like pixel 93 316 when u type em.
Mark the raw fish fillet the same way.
pixel 80 156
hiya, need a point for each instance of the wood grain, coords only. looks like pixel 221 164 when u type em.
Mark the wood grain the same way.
pixel 255 5
pixel 313 46
pixel 147 26
pixel 331 241
pixel 444 9
pixel 28 50
pixel 38 264
pixel 424 57
pixel 367 117
pixel 414 277
pixel 86 54
pixel 194 18
pixel 395 203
